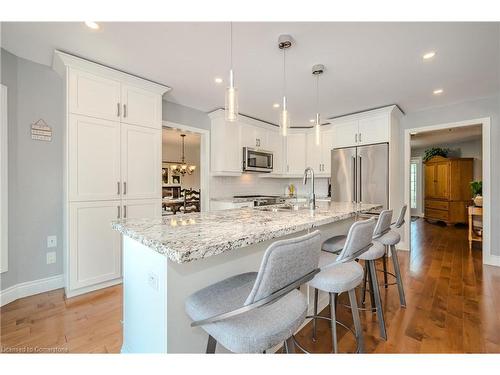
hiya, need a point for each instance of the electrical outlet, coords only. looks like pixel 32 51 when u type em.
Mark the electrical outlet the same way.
pixel 153 281
pixel 51 257
pixel 51 241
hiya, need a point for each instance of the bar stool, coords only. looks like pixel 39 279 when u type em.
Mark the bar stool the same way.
pixel 390 240
pixel 252 312
pixel 342 274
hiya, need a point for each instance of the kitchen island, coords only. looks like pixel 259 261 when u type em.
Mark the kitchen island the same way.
pixel 165 260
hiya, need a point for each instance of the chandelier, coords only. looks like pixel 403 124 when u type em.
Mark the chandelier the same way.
pixel 183 168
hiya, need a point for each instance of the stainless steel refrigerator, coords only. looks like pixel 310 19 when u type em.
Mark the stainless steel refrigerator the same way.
pixel 361 174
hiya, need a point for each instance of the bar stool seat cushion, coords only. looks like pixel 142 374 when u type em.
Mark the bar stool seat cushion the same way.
pixel 334 244
pixel 338 278
pixel 376 251
pixel 390 238
pixel 251 332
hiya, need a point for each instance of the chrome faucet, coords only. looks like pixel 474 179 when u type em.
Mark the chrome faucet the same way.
pixel 312 195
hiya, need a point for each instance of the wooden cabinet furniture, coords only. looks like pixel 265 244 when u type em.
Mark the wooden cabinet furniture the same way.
pixel 473 235
pixel 447 190
pixel 112 165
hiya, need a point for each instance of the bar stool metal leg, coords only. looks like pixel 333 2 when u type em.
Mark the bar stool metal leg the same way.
pixel 212 343
pixel 363 288
pixel 378 302
pixel 397 271
pixel 357 322
pixel 384 262
pixel 333 321
pixel 315 312
pixel 289 345
pixel 370 282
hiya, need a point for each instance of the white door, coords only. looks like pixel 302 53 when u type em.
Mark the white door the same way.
pixel 94 247
pixel 141 107
pixel 313 157
pixel 142 208
pixel 345 134
pixel 93 95
pixel 374 130
pixel 296 153
pixel 94 159
pixel 327 144
pixel 141 162
pixel 275 144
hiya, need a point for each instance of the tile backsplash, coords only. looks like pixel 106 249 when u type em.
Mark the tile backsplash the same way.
pixel 249 184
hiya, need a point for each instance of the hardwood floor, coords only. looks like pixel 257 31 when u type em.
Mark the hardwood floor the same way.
pixel 453 307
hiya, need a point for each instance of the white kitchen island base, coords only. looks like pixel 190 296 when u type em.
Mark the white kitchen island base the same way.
pixel 155 289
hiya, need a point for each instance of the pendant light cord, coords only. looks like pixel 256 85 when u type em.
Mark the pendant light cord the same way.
pixel 284 71
pixel 231 44
pixel 317 93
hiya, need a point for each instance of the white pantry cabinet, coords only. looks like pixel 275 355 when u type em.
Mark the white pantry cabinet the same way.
pixel 112 165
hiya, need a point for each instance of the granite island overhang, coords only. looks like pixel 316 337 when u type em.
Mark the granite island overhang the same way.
pixel 165 260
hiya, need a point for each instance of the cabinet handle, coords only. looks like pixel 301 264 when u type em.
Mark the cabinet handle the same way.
pixel 124 110
pixel 359 137
pixel 356 138
pixel 288 168
pixel 124 211
pixel 118 109
pixel 125 188
pixel 119 212
pixel 118 187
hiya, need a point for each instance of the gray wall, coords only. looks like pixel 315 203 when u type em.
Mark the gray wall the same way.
pixel 185 115
pixel 472 109
pixel 35 169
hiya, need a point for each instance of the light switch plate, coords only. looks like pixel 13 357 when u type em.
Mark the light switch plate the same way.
pixel 51 257
pixel 51 241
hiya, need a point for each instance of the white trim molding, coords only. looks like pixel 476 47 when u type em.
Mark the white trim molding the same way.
pixel 204 159
pixel 488 257
pixel 30 288
pixel 4 200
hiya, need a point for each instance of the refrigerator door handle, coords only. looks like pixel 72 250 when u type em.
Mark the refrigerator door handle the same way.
pixel 360 180
pixel 354 190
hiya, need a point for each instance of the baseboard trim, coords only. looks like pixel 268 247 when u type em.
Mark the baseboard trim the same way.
pixel 492 260
pixel 77 292
pixel 30 288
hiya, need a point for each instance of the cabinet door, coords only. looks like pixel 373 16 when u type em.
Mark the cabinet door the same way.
pixel 296 153
pixel 442 180
pixel 141 107
pixel 373 130
pixel 275 144
pixel 94 159
pixel 345 134
pixel 327 144
pixel 94 247
pixel 93 95
pixel 430 181
pixel 248 135
pixel 142 208
pixel 141 162
pixel 313 153
pixel 226 150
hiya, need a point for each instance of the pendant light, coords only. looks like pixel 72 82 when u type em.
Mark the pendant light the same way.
pixel 231 91
pixel 284 42
pixel 183 168
pixel 317 70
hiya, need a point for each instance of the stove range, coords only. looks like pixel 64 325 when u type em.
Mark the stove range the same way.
pixel 263 200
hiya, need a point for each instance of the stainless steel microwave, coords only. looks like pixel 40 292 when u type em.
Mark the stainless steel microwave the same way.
pixel 256 160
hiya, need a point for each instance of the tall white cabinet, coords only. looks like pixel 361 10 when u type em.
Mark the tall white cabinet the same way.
pixel 112 165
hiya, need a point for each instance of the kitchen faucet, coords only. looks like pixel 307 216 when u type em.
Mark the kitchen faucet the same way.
pixel 312 195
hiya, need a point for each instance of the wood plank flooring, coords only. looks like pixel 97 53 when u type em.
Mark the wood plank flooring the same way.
pixel 453 307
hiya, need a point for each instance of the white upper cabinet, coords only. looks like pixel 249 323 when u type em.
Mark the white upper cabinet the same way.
pixel 226 151
pixel 141 162
pixel 318 156
pixel 346 134
pixel 374 130
pixel 94 159
pixel 141 107
pixel 327 145
pixel 275 144
pixel 313 153
pixel 295 153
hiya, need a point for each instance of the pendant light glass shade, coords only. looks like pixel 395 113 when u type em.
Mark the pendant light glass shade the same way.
pixel 317 70
pixel 231 102
pixel 317 130
pixel 284 119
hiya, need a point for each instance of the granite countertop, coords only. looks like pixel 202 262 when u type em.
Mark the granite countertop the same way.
pixel 189 237
pixel 250 199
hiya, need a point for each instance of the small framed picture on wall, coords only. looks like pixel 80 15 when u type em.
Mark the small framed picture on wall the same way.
pixel 176 179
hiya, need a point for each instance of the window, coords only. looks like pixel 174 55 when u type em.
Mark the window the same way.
pixel 3 180
pixel 413 185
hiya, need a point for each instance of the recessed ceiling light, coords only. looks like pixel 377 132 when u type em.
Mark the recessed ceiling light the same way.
pixel 437 91
pixel 429 55
pixel 276 105
pixel 218 80
pixel 91 24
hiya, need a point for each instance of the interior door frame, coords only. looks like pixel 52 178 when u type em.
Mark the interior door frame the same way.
pixel 204 159
pixel 420 186
pixel 485 122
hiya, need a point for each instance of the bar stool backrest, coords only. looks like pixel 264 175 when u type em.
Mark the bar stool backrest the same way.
pixel 401 218
pixel 359 238
pixel 285 262
pixel 383 223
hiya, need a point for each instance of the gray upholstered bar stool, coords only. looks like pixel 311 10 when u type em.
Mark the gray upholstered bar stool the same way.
pixel 390 240
pixel 342 274
pixel 252 312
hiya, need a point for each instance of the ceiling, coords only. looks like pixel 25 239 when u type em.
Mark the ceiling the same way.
pixel 367 64
pixel 446 136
